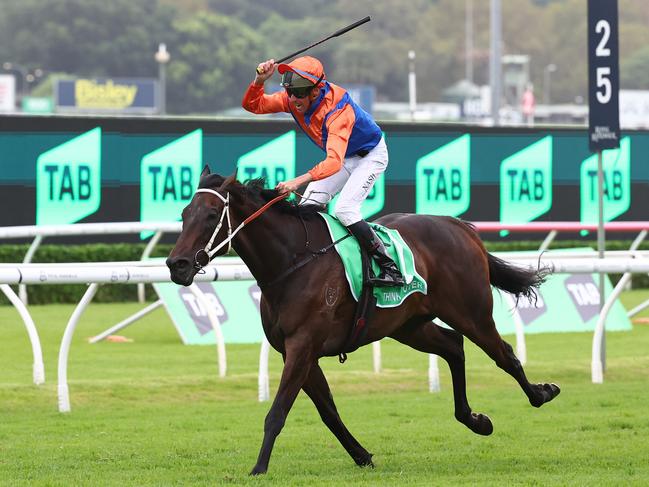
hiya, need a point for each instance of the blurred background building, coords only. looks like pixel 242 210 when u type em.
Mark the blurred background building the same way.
pixel 195 57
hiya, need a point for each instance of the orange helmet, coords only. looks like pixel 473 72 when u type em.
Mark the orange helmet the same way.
pixel 308 69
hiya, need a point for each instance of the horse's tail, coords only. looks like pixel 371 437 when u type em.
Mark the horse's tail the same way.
pixel 514 279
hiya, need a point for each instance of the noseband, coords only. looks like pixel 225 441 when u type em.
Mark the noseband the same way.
pixel 205 254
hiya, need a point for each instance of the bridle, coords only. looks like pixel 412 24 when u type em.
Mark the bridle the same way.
pixel 205 254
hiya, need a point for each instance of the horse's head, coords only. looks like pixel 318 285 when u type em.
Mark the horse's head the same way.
pixel 206 221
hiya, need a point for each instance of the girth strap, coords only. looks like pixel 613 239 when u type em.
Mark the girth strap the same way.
pixel 364 311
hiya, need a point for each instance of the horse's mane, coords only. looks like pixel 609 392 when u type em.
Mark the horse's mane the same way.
pixel 255 189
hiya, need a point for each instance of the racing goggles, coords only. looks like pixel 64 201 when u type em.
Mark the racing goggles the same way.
pixel 299 87
pixel 302 92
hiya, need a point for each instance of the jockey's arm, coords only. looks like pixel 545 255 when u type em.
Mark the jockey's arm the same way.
pixel 256 101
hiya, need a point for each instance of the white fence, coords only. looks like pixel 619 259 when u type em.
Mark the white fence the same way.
pixel 95 275
pixel 141 272
pixel 39 232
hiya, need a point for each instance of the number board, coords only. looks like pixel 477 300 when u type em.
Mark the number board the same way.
pixel 603 76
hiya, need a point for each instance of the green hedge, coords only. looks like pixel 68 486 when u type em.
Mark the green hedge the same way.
pixel 72 293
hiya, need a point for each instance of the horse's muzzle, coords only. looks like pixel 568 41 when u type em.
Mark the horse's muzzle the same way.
pixel 181 270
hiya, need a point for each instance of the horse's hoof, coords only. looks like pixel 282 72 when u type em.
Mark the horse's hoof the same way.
pixel 364 460
pixel 479 424
pixel 545 393
pixel 257 470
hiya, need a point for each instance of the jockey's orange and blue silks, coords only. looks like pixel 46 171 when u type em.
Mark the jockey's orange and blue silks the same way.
pixel 333 112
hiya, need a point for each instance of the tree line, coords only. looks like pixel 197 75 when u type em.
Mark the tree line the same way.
pixel 216 44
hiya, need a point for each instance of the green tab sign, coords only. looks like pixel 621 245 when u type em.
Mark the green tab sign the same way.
pixel 526 183
pixel 236 304
pixel 168 178
pixel 274 161
pixel 617 183
pixel 68 180
pixel 443 179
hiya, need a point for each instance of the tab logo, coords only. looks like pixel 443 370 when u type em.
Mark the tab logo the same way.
pixel 526 183
pixel 68 180
pixel 274 161
pixel 169 177
pixel 584 294
pixel 196 310
pixel 531 309
pixel 443 179
pixel 255 294
pixel 617 183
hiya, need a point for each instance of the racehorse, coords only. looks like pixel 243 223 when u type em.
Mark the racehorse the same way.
pixel 307 308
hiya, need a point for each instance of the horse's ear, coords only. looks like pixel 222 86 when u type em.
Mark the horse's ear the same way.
pixel 206 171
pixel 230 179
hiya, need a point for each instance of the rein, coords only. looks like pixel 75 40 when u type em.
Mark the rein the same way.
pixel 205 254
pixel 314 255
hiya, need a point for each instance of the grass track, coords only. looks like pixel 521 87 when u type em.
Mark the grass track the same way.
pixel 153 412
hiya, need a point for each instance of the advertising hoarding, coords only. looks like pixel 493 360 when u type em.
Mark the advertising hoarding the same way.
pixel 114 95
pixel 148 168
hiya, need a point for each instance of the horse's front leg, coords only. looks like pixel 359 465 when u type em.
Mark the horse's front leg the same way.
pixel 298 360
pixel 317 389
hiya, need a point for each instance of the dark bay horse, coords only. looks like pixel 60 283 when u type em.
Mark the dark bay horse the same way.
pixel 307 314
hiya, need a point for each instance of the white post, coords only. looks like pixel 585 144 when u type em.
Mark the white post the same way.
pixel 263 381
pixel 214 320
pixel 545 245
pixel 64 351
pixel 601 247
pixel 433 374
pixel 597 364
pixel 412 85
pixel 141 297
pixel 22 289
pixel 38 367
pixel 376 356
pixel 495 60
pixel 468 40
pixel 162 57
pixel 519 328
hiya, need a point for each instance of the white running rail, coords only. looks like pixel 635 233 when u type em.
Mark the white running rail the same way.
pixel 39 232
pixel 626 262
pixel 105 274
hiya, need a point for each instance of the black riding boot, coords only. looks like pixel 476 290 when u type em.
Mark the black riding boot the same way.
pixel 390 274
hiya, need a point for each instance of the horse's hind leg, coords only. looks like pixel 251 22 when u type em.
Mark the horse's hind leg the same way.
pixel 429 338
pixel 485 335
pixel 317 389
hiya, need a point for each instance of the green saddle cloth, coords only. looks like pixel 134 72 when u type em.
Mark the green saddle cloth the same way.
pixel 349 250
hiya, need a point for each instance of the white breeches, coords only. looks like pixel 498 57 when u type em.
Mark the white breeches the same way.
pixel 354 182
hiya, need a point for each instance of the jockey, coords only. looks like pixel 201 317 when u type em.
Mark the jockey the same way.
pixel 356 153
